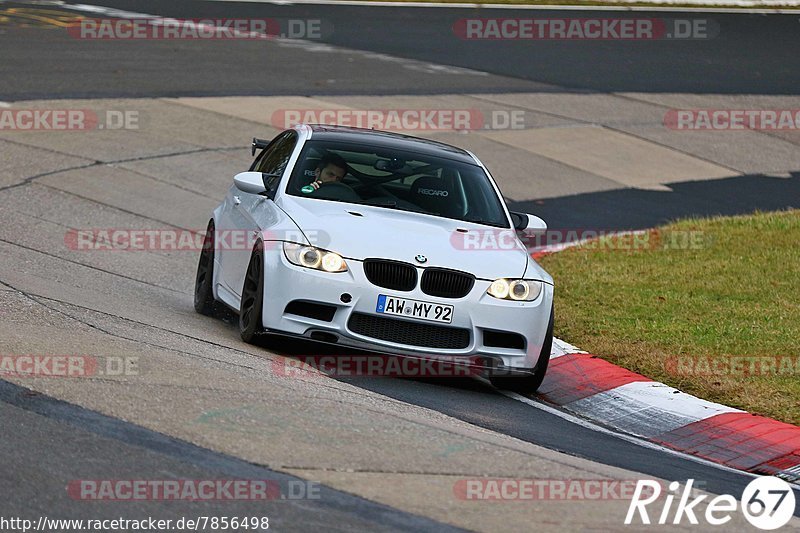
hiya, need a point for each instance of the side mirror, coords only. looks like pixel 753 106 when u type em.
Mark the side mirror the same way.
pixel 531 223
pixel 252 182
pixel 536 224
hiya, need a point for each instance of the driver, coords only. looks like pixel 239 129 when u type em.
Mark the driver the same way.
pixel 330 169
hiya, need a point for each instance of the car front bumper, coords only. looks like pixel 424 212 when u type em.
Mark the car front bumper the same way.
pixel 476 313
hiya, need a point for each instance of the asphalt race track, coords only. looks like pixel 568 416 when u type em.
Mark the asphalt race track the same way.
pixel 750 55
pixel 385 453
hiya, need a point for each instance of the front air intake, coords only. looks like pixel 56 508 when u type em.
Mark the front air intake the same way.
pixel 446 283
pixel 391 274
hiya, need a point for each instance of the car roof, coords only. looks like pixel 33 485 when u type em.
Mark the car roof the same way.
pixel 385 139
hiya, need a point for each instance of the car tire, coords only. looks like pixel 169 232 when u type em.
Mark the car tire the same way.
pixel 529 383
pixel 204 302
pixel 252 296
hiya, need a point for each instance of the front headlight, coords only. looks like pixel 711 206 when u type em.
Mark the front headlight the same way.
pixel 311 257
pixel 520 290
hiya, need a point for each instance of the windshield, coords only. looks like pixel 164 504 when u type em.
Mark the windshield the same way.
pixel 395 179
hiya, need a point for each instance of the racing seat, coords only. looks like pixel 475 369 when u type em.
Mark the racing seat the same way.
pixel 306 175
pixel 435 196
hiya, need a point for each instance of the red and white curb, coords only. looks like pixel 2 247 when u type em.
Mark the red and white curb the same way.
pixel 632 404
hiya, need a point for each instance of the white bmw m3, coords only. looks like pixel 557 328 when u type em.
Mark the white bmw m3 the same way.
pixel 373 240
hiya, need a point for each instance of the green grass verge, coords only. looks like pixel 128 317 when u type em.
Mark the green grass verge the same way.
pixel 691 306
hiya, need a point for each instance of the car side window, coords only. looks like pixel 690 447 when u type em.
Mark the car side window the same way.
pixel 276 156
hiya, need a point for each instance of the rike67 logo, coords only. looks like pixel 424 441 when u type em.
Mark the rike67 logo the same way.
pixel 767 502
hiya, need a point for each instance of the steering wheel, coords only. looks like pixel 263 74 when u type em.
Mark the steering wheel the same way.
pixel 335 190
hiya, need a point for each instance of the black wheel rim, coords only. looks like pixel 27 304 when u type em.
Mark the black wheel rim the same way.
pixel 252 282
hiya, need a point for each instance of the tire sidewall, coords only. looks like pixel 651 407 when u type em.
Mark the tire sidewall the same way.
pixel 255 327
pixel 203 292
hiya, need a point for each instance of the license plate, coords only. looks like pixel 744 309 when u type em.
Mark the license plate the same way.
pixel 391 305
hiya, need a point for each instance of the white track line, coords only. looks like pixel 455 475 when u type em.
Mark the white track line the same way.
pixel 308 46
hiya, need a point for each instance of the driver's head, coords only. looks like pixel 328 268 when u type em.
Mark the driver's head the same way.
pixel 331 167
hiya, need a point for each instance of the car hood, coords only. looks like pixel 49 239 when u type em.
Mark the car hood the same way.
pixel 360 232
